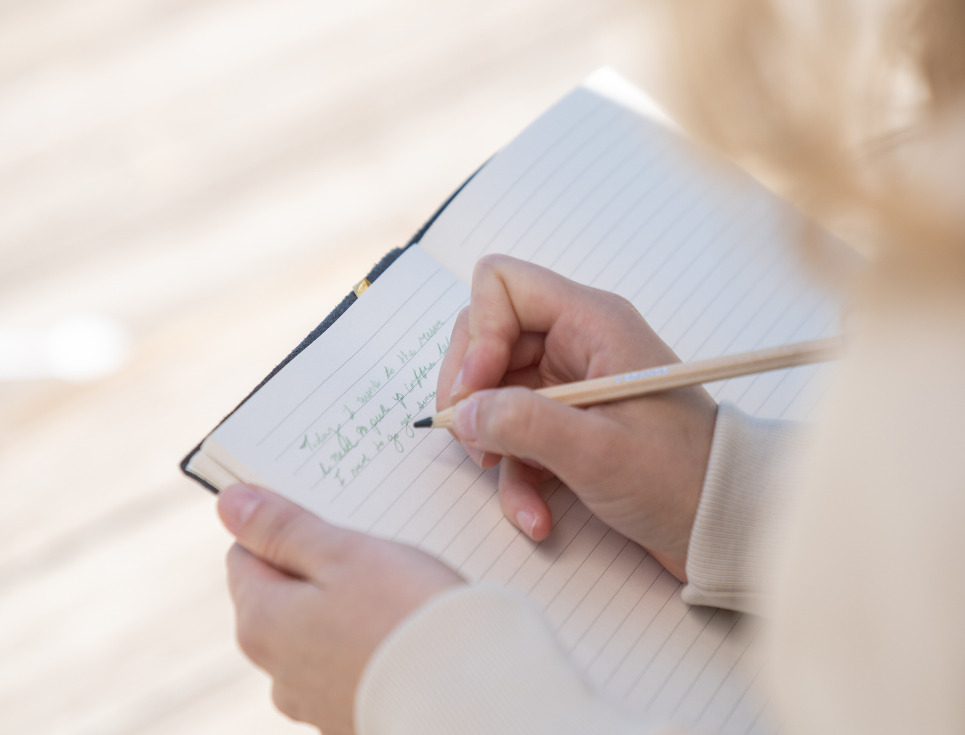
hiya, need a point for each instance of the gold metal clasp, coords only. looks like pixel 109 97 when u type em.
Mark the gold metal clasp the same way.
pixel 361 287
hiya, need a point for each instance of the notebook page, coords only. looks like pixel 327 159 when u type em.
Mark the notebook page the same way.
pixel 619 200
pixel 330 429
pixel 609 198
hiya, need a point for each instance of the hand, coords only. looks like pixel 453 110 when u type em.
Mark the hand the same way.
pixel 313 601
pixel 638 464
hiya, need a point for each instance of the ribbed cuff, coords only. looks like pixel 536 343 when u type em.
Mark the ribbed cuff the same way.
pixel 742 507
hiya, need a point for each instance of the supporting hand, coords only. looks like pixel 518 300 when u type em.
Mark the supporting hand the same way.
pixel 313 601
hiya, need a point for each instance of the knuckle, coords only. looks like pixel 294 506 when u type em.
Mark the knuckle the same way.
pixel 460 331
pixel 286 702
pixel 488 264
pixel 530 421
pixel 341 550
pixel 453 359
pixel 250 634
pixel 233 566
pixel 615 305
pixel 233 556
pixel 621 304
pixel 279 533
pixel 514 417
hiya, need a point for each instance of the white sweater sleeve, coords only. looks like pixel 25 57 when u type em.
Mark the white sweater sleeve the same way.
pixel 480 659
pixel 736 534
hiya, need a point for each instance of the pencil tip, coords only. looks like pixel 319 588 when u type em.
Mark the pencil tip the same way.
pixel 425 423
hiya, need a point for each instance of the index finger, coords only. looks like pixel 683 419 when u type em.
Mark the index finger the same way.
pixel 452 360
pixel 509 298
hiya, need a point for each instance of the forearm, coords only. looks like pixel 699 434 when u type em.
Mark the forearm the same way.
pixel 491 665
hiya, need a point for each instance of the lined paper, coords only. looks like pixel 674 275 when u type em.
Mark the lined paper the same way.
pixel 620 201
pixel 614 199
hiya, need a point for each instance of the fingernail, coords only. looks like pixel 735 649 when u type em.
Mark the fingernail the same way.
pixel 237 504
pixel 464 419
pixel 456 386
pixel 476 455
pixel 526 520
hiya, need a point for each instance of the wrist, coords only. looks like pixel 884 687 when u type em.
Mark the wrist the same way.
pixel 742 505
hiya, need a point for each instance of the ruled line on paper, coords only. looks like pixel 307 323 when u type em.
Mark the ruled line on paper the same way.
pixel 641 633
pixel 584 182
pixel 588 592
pixel 480 541
pixel 391 440
pixel 664 625
pixel 474 531
pixel 778 378
pixel 570 525
pixel 414 324
pixel 704 716
pixel 681 242
pixel 702 290
pixel 739 702
pixel 344 436
pixel 560 158
pixel 520 554
pixel 582 565
pixel 665 678
pixel 586 197
pixel 718 647
pixel 593 247
pixel 402 492
pixel 609 602
pixel 486 573
pixel 375 375
pixel 457 500
pixel 709 292
pixel 554 577
pixel 631 209
pixel 634 239
pixel 467 464
pixel 318 387
pixel 573 129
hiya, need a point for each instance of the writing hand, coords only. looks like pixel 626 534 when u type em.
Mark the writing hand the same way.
pixel 638 464
pixel 313 601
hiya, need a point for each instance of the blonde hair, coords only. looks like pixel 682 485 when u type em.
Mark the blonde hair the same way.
pixel 854 110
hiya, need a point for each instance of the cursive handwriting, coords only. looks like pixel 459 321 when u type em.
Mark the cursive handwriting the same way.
pixel 378 414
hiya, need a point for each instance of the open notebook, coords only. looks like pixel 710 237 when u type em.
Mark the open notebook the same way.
pixel 603 190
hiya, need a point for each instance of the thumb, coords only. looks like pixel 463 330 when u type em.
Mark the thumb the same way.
pixel 277 531
pixel 517 422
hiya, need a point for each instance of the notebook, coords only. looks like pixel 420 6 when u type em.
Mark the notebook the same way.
pixel 603 189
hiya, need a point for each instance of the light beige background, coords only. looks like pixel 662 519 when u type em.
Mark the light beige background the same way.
pixel 213 176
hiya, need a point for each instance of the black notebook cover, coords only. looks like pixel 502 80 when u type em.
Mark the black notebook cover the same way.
pixel 346 302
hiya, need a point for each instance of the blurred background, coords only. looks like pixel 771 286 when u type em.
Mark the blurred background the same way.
pixel 187 187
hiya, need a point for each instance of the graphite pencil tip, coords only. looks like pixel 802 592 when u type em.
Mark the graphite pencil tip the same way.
pixel 425 423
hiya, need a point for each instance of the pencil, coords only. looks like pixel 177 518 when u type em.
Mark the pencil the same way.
pixel 666 377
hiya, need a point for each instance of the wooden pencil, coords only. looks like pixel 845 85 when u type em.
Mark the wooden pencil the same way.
pixel 678 375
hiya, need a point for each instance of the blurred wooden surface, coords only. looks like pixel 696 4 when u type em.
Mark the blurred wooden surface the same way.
pixel 213 176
